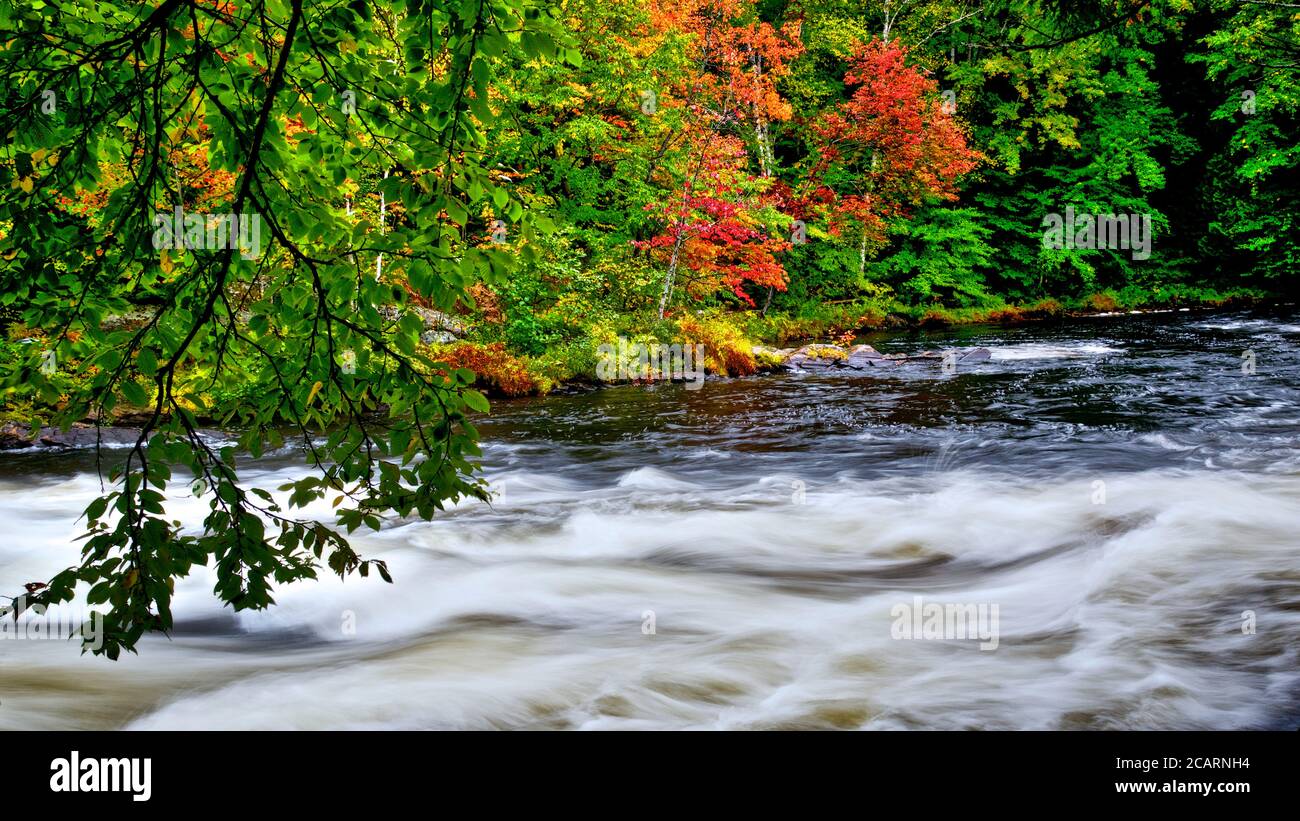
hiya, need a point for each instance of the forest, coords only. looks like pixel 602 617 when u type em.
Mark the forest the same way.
pixel 347 224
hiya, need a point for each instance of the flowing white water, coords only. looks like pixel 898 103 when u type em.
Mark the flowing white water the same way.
pixel 1124 566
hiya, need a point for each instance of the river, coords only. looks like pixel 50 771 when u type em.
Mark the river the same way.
pixel 1119 489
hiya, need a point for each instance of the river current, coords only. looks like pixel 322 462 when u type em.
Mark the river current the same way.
pixel 1119 497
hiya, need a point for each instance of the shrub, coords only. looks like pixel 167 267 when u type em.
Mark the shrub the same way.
pixel 1103 301
pixel 726 351
pixel 825 352
pixel 532 334
pixel 571 362
pixel 499 372
pixel 767 359
pixel 1045 309
pixel 936 318
pixel 487 304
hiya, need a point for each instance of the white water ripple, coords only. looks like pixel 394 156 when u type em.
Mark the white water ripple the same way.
pixel 771 608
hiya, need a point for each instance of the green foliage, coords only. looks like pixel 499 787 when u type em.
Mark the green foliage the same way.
pixel 943 255
pixel 1254 187
pixel 269 109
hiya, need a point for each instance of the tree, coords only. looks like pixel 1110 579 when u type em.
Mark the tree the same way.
pixel 264 312
pixel 891 146
pixel 731 90
pixel 1255 56
pixel 715 227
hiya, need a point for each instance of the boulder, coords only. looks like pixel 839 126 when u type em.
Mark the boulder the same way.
pixel 770 359
pixel 439 321
pixel 80 435
pixel 824 357
pixel 437 337
pixel 15 437
pixel 85 436
pixel 864 351
pixel 816 358
pixel 861 357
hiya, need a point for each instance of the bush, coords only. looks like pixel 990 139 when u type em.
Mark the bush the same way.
pixel 1104 302
pixel 571 362
pixel 726 351
pixel 531 334
pixel 499 372
pixel 20 401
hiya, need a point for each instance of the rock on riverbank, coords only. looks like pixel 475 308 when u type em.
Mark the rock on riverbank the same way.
pixel 80 435
pixel 825 357
pixel 17 437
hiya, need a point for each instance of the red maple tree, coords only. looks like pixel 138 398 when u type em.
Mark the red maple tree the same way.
pixel 891 146
pixel 712 229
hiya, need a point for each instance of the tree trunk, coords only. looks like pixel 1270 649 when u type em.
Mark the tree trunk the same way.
pixel 766 157
pixel 383 208
pixel 672 272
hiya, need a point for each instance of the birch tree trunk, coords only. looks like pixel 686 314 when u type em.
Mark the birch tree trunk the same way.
pixel 383 208
pixel 672 271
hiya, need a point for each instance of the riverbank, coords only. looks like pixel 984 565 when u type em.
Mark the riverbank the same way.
pixel 744 343
pixel 736 344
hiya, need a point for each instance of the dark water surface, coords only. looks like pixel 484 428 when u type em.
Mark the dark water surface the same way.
pixel 1124 495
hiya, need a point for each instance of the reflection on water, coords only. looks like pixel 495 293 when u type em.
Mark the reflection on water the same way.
pixel 731 558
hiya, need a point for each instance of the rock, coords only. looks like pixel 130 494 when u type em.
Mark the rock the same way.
pixel 810 363
pixel 15 437
pixel 823 357
pixel 80 435
pixel 832 353
pixel 85 436
pixel 439 321
pixel 131 319
pixel 439 327
pixel 816 358
pixel 770 359
pixel 861 357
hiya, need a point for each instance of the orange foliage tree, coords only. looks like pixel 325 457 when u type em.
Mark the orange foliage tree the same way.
pixel 890 146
